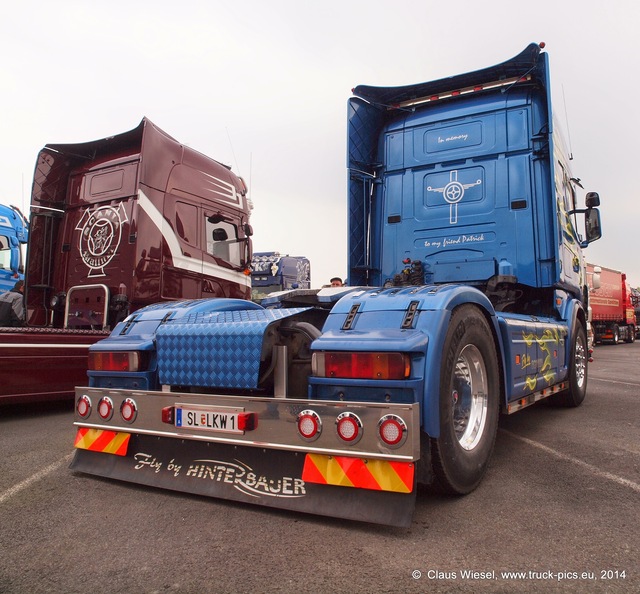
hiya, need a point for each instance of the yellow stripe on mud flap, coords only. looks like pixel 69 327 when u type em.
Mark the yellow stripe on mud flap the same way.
pixel 378 475
pixel 98 440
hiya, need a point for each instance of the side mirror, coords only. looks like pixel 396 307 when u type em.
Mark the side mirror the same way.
pixel 220 234
pixel 248 230
pixel 247 253
pixel 14 258
pixel 593 229
pixel 218 218
pixel 592 199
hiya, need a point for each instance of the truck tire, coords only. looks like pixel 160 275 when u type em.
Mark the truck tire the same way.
pixel 577 390
pixel 616 334
pixel 631 335
pixel 469 403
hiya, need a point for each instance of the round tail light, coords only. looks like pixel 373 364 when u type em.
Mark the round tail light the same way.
pixel 129 410
pixel 349 427
pixel 392 430
pixel 83 406
pixel 105 408
pixel 309 425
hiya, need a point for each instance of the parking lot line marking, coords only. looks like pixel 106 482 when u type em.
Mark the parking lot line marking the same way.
pixel 11 491
pixel 592 469
pixel 610 381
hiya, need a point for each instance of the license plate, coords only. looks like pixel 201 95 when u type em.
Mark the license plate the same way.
pixel 208 419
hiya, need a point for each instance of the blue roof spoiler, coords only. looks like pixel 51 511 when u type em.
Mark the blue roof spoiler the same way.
pixel 522 64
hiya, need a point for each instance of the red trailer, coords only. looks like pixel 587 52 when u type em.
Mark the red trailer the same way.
pixel 117 224
pixel 612 309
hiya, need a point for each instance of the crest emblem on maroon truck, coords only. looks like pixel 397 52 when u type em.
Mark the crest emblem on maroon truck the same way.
pixel 100 235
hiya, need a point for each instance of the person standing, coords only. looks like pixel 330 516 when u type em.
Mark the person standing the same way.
pixel 12 306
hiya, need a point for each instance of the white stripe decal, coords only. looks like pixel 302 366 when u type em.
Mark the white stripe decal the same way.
pixel 229 191
pixel 179 259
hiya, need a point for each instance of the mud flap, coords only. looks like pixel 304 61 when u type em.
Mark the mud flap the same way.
pixel 252 475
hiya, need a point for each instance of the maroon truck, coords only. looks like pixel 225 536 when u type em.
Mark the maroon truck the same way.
pixel 117 224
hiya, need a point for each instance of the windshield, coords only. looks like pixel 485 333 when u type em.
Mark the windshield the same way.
pixel 5 252
pixel 262 292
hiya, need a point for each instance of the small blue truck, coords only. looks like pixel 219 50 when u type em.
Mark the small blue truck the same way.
pixel 14 234
pixel 272 272
pixel 467 299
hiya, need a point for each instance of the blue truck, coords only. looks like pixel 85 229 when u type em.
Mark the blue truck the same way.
pixel 272 272
pixel 467 299
pixel 14 234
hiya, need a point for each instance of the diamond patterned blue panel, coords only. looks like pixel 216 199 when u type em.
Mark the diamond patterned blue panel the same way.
pixel 220 349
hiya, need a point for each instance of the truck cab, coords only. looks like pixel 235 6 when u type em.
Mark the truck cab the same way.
pixel 128 221
pixel 117 224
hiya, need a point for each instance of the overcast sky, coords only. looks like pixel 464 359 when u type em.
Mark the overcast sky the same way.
pixel 262 86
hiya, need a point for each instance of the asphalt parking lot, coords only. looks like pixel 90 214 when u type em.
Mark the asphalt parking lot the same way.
pixel 557 511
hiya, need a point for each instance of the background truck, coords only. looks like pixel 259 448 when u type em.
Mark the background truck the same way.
pixel 467 298
pixel 14 233
pixel 117 224
pixel 613 314
pixel 635 299
pixel 272 271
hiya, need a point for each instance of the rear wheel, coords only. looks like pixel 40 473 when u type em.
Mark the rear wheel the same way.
pixel 469 403
pixel 616 334
pixel 577 371
pixel 631 336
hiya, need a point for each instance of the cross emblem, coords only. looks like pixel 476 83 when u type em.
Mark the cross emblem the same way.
pixel 453 193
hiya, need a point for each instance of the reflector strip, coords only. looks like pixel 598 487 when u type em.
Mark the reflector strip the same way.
pixel 465 91
pixel 377 475
pixel 98 440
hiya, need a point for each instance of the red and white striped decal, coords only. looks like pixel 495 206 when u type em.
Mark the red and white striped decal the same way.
pixel 98 440
pixel 377 475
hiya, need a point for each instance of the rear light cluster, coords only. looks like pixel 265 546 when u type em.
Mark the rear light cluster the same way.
pixel 362 365
pixel 392 430
pixel 309 425
pixel 128 410
pixel 349 427
pixel 105 408
pixel 118 361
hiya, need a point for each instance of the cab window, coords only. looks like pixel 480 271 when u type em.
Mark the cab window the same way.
pixel 187 222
